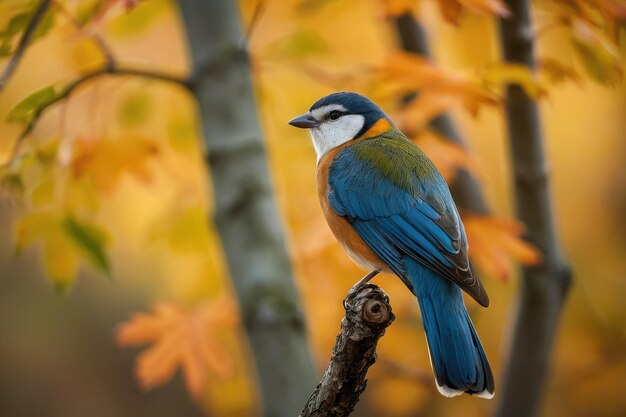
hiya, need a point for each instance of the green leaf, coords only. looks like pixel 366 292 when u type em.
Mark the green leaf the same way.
pixel 90 240
pixel 17 24
pixel 135 109
pixel 44 26
pixel 5 49
pixel 26 110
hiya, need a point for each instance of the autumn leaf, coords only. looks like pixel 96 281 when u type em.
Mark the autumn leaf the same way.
pixel 405 73
pixel 452 10
pixel 106 160
pixel 448 156
pixel 494 242
pixel 395 8
pixel 600 57
pixel 65 242
pixel 496 76
pixel 25 110
pixel 189 339
pixel 554 71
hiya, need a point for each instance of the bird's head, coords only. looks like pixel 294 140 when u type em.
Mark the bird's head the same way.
pixel 341 117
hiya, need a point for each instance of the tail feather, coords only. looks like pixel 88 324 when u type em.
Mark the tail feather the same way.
pixel 456 354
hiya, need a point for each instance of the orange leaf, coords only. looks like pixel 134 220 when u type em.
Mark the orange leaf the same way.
pixel 404 73
pixel 106 160
pixel 452 10
pixel 400 7
pixel 495 241
pixel 446 155
pixel 186 338
pixel 492 7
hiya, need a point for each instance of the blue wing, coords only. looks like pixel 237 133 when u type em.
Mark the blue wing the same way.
pixel 400 205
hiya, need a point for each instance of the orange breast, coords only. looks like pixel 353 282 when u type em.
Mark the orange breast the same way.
pixel 354 245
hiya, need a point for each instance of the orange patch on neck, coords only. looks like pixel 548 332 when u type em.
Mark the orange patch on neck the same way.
pixel 377 129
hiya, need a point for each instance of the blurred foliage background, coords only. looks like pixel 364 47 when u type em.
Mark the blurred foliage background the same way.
pixel 107 204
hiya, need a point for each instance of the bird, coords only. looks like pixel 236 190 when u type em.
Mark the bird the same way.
pixel 392 211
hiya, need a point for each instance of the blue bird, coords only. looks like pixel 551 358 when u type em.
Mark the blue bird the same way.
pixel 391 210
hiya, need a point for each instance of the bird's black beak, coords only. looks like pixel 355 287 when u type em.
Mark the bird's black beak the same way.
pixel 306 121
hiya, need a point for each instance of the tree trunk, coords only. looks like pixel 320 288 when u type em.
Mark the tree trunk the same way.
pixel 245 210
pixel 544 287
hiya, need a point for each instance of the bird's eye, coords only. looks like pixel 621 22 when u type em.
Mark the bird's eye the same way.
pixel 334 115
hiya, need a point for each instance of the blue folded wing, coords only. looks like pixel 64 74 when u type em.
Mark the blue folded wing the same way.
pixel 399 204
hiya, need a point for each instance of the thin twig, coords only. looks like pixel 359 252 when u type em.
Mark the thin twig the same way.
pixel 23 43
pixel 71 87
pixel 105 50
pixel 254 20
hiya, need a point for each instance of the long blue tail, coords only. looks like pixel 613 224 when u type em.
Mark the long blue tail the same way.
pixel 456 354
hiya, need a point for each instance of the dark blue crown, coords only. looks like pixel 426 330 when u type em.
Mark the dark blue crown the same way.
pixel 354 104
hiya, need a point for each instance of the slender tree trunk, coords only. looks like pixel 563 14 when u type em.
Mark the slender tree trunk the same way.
pixel 543 288
pixel 465 188
pixel 245 211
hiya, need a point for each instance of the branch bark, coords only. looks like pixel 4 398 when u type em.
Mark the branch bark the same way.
pixel 245 211
pixel 23 43
pixel 543 288
pixel 69 89
pixel 466 190
pixel 368 314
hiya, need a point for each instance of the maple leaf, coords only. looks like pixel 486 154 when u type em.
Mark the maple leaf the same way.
pixel 495 241
pixel 106 160
pixel 405 73
pixel 186 338
pixel 448 156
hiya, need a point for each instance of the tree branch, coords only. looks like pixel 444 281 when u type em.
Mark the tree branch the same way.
pixel 69 89
pixel 543 288
pixel 368 314
pixel 23 43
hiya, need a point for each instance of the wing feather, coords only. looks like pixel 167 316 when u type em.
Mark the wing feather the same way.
pixel 401 206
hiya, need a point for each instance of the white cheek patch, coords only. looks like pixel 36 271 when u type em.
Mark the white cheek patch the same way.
pixel 332 133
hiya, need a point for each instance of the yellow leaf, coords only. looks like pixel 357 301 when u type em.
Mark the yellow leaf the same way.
pixel 503 73
pixel 495 241
pixel 447 155
pixel 186 338
pixel 43 193
pixel 60 259
pixel 85 55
